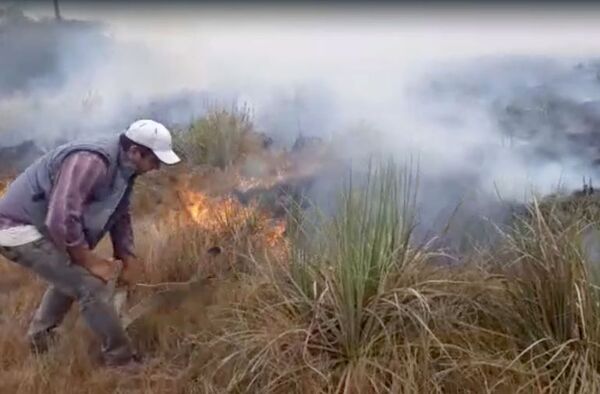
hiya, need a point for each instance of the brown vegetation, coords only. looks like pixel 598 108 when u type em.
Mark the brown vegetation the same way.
pixel 340 304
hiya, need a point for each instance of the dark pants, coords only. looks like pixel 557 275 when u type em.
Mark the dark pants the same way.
pixel 69 282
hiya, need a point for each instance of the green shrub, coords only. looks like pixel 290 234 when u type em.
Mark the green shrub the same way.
pixel 218 139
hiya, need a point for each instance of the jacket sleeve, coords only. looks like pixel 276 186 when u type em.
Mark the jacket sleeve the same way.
pixel 79 173
pixel 121 234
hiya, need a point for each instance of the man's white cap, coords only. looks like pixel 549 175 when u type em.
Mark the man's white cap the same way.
pixel 154 136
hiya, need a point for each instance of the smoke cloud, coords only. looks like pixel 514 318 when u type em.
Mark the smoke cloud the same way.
pixel 490 103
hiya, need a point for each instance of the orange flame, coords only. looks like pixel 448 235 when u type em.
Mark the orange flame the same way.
pixel 227 215
pixel 213 213
pixel 275 234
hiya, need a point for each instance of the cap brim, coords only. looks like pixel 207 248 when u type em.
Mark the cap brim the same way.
pixel 167 156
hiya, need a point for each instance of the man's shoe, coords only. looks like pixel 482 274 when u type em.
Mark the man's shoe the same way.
pixel 133 365
pixel 40 342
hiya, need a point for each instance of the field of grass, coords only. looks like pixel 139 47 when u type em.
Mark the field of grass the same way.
pixel 341 303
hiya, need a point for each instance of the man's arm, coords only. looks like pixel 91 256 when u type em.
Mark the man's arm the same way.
pixel 78 175
pixel 123 246
pixel 121 235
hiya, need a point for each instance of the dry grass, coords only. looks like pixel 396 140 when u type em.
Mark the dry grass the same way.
pixel 220 138
pixel 364 312
pixel 173 247
pixel 344 305
pixel 173 250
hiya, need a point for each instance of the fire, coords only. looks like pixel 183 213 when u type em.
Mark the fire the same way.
pixel 236 205
pixel 225 215
pixel 275 233
pixel 212 213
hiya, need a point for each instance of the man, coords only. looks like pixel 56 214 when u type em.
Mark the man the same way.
pixel 55 213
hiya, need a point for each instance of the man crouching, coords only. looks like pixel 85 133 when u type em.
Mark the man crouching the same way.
pixel 55 213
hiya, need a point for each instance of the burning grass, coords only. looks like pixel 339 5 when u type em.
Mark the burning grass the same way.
pixel 331 304
pixel 361 310
pixel 177 223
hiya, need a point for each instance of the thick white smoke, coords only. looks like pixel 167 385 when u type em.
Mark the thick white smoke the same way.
pixel 490 101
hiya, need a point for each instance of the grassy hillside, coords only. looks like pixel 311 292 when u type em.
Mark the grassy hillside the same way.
pixel 336 303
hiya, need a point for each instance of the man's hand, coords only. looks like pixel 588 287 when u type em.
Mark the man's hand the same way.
pixel 132 271
pixel 100 267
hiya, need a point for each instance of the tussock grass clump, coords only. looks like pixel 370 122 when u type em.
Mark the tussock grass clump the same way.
pixel 357 308
pixel 219 138
pixel 555 305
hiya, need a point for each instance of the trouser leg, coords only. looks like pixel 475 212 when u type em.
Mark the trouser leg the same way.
pixel 49 315
pixel 51 311
pixel 79 284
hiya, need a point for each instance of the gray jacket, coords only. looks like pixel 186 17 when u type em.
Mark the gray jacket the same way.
pixel 26 199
